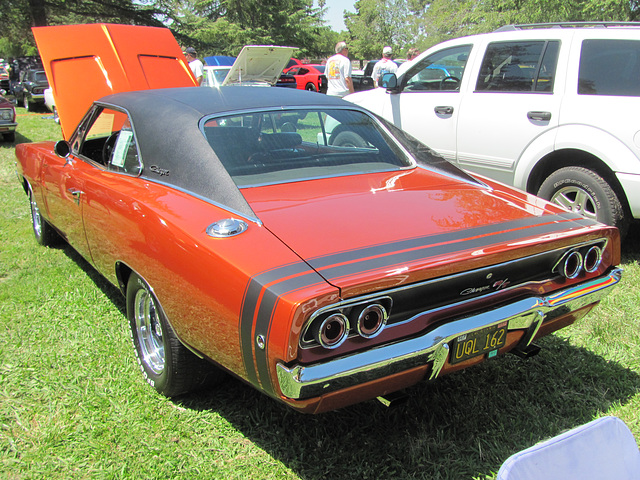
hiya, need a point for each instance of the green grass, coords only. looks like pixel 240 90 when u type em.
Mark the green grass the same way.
pixel 73 403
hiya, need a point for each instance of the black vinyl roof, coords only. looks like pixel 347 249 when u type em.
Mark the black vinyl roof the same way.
pixel 205 100
pixel 173 149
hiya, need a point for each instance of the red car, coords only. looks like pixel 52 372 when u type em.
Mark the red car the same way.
pixel 4 79
pixel 7 120
pixel 296 241
pixel 309 77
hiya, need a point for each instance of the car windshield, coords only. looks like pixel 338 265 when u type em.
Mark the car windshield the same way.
pixel 287 146
pixel 220 74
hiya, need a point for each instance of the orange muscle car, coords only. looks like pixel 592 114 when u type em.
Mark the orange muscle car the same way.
pixel 295 240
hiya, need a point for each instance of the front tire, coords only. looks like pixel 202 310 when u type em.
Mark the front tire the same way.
pixel 44 233
pixel 167 365
pixel 583 191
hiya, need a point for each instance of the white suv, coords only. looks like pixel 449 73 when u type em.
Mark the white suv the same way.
pixel 553 111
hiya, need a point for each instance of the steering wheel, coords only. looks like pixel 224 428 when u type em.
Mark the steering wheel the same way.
pixel 451 79
pixel 107 148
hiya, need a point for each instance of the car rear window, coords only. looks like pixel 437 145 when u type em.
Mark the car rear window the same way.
pixel 284 146
pixel 609 67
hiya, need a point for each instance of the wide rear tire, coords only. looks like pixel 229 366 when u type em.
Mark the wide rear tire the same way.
pixel 167 365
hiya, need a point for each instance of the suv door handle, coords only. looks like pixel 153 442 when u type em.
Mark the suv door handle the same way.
pixel 539 116
pixel 443 110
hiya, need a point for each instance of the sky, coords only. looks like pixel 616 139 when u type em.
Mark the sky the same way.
pixel 334 13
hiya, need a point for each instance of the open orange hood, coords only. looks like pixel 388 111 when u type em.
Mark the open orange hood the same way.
pixel 87 62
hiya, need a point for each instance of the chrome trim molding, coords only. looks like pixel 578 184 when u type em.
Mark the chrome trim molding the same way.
pixel 306 381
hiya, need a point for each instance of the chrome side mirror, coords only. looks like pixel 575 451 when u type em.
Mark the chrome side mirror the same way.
pixel 62 148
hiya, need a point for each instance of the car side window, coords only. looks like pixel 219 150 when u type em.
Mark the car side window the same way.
pixel 609 67
pixel 441 71
pixel 528 66
pixel 110 141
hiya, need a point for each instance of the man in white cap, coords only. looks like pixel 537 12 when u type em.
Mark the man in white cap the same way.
pixel 196 65
pixel 384 65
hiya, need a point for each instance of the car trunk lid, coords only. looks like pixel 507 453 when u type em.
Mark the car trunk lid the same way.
pixel 259 64
pixel 366 232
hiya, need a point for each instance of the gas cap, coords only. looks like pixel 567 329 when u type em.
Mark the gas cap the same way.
pixel 229 227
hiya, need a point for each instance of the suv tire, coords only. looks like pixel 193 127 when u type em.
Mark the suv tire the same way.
pixel 585 192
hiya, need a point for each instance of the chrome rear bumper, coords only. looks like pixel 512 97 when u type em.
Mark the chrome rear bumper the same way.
pixel 307 381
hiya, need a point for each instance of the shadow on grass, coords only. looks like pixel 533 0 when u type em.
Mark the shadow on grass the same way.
pixel 631 244
pixel 459 426
pixel 107 288
pixel 19 139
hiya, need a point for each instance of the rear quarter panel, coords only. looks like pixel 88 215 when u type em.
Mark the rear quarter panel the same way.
pixel 211 289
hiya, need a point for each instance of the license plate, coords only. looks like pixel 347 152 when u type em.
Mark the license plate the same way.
pixel 479 342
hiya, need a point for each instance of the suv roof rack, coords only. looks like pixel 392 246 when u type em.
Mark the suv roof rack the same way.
pixel 509 28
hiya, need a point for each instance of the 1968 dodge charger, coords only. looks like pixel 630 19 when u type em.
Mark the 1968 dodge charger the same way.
pixel 323 269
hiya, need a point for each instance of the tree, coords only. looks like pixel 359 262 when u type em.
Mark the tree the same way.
pixel 445 19
pixel 222 27
pixel 377 23
pixel 18 16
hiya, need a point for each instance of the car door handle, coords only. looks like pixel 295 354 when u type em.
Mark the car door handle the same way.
pixel 75 193
pixel 442 110
pixel 539 116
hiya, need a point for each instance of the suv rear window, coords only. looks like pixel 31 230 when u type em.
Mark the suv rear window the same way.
pixel 528 66
pixel 610 67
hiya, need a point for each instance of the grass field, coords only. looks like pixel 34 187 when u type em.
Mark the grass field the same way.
pixel 73 403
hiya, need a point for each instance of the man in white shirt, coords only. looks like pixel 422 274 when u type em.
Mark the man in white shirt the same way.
pixel 196 65
pixel 384 65
pixel 338 72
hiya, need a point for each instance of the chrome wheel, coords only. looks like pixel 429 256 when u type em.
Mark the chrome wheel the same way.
pixel 149 331
pixel 576 200
pixel 36 219
pixel 167 365
pixel 43 232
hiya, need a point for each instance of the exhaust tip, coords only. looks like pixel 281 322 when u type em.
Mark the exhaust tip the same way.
pixel 571 265
pixel 332 331
pixel 371 320
pixel 592 259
